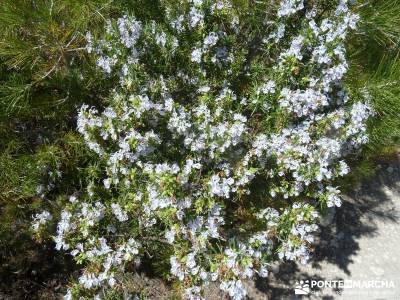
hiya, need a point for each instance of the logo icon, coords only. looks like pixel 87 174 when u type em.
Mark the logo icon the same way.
pixel 302 287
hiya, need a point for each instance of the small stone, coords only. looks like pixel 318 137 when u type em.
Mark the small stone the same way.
pixel 275 268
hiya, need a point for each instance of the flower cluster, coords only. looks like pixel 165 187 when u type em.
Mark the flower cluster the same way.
pixel 220 142
pixel 41 219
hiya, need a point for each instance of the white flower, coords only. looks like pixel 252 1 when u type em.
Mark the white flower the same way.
pixel 295 48
pixel 170 236
pixel 68 295
pixel 119 213
pixel 204 89
pixel 196 17
pixel 268 88
pixel 107 183
pixel 290 7
pixel 333 198
pixel 72 199
pixel 210 40
pixel 176 268
pixel 196 55
pixel 235 289
pixel 129 30
pixel 41 219
pixel 190 261
pixel 161 39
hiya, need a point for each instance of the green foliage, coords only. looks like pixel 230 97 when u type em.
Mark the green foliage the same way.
pixel 375 53
pixel 41 53
pixel 44 75
pixel 377 45
pixel 375 68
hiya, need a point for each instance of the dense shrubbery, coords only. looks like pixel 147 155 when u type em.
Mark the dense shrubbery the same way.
pixel 221 140
pixel 219 135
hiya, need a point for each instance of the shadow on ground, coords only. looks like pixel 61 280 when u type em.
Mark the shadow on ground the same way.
pixel 361 216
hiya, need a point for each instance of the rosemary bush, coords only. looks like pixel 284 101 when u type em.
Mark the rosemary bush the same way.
pixel 216 132
pixel 223 138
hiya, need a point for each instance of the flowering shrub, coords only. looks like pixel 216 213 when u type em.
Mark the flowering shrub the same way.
pixel 222 141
